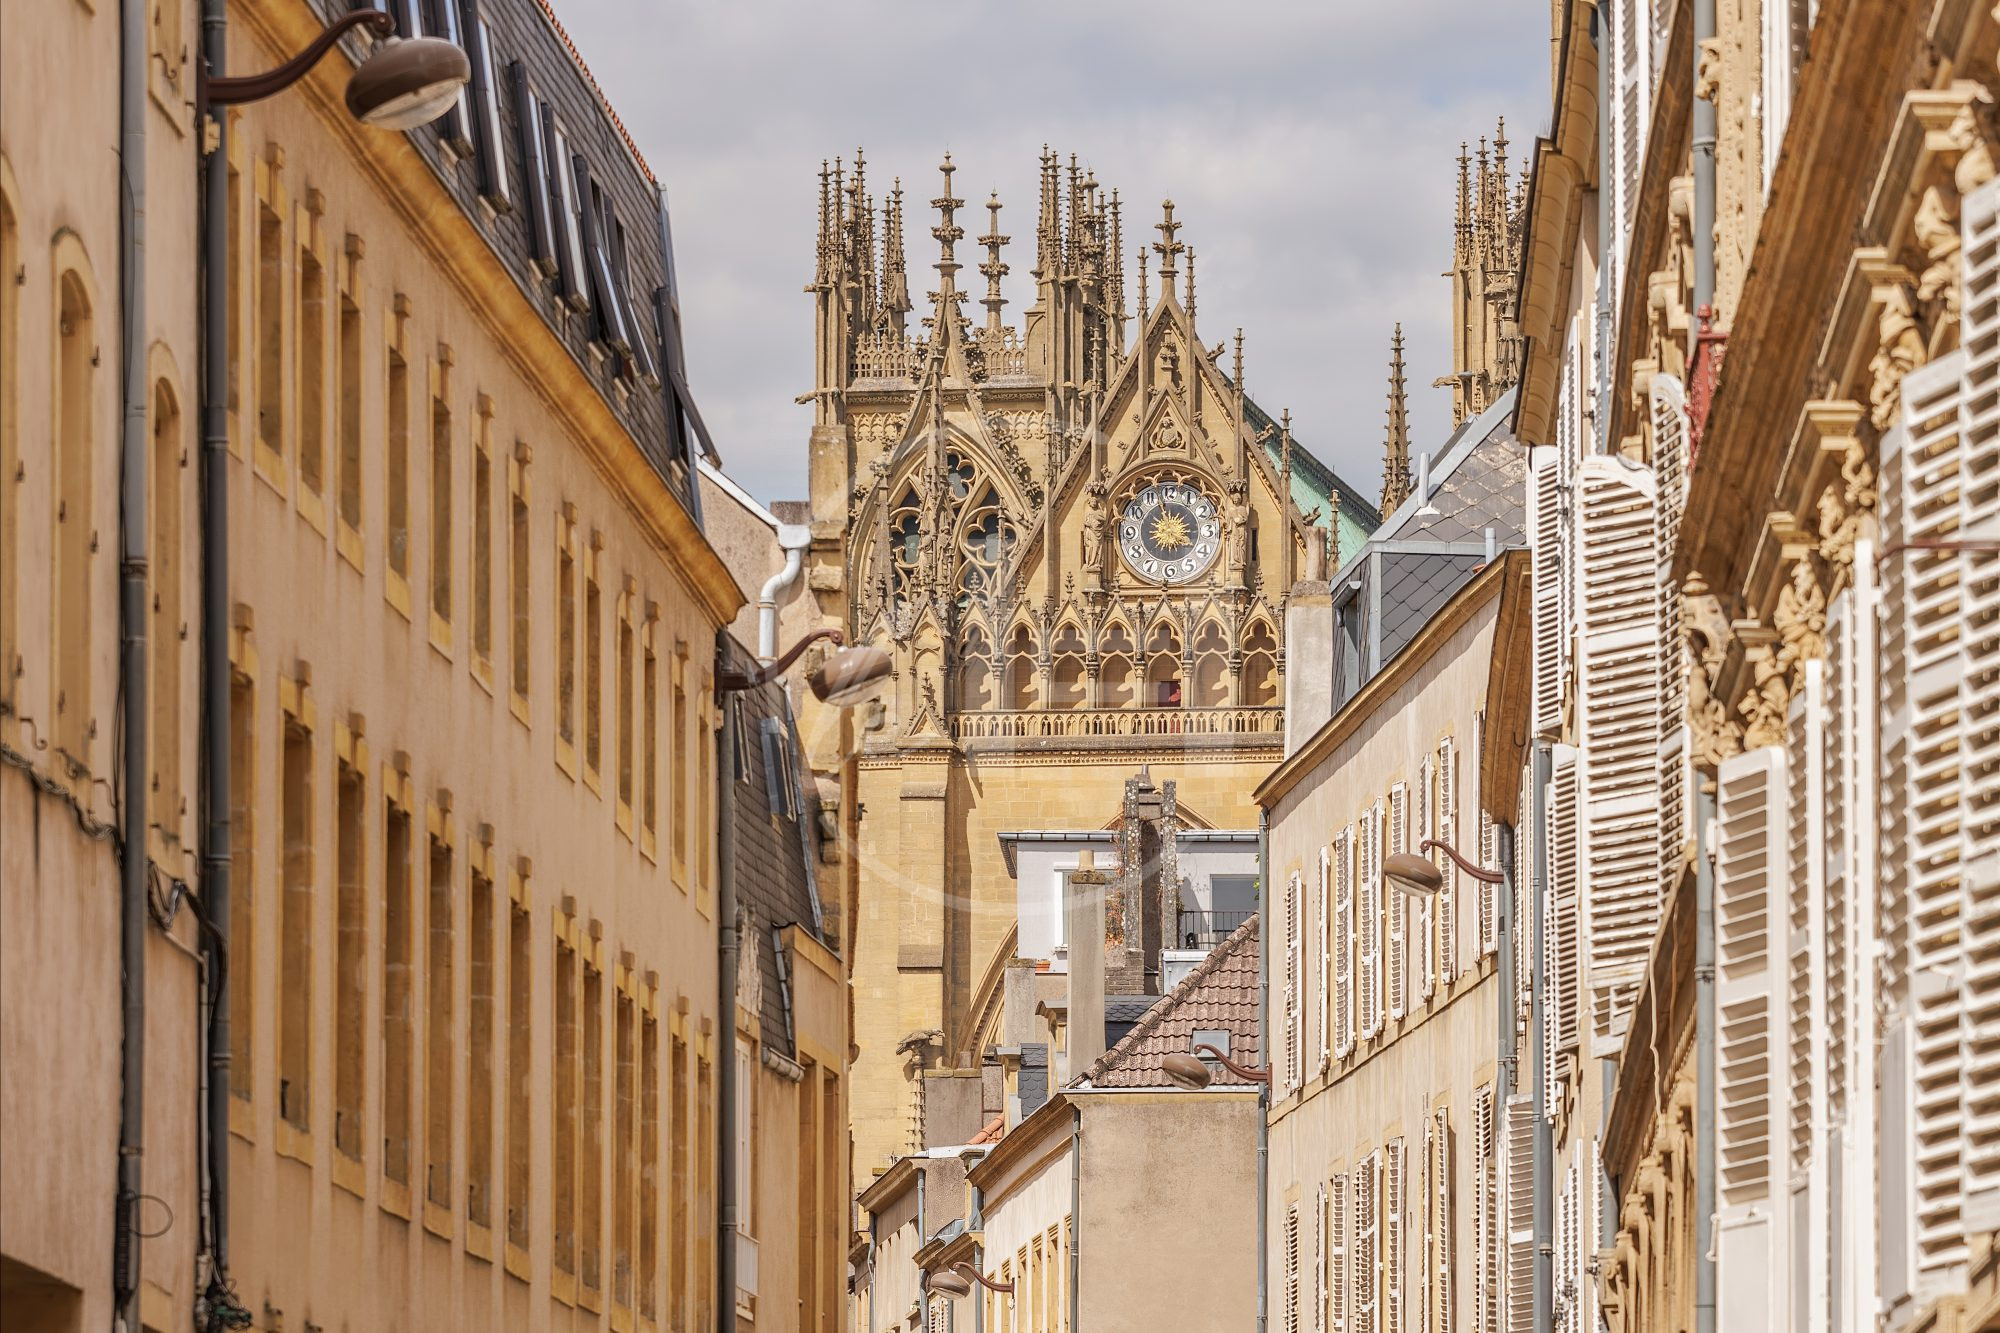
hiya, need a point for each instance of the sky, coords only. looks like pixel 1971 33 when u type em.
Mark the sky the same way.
pixel 1310 148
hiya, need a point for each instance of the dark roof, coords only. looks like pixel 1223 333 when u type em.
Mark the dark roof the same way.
pixel 1307 463
pixel 1219 995
pixel 1032 1081
pixel 775 881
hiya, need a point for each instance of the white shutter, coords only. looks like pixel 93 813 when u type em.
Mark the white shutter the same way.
pixel 1319 1264
pixel 1560 959
pixel 1525 941
pixel 1805 1000
pixel 1631 76
pixel 1560 1304
pixel 1397 904
pixel 1442 1188
pixel 1291 1289
pixel 1545 530
pixel 1339 1289
pixel 1670 440
pixel 1368 1244
pixel 1489 905
pixel 1427 1234
pixel 1424 910
pixel 1323 1001
pixel 1618 687
pixel 1392 1237
pixel 1750 880
pixel 1370 926
pixel 1294 1002
pixel 1519 1280
pixel 1343 943
pixel 1485 1216
pixel 1446 828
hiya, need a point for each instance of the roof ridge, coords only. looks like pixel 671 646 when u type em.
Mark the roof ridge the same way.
pixel 562 33
pixel 1158 1014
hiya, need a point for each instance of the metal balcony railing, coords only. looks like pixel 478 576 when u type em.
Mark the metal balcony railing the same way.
pixel 1205 930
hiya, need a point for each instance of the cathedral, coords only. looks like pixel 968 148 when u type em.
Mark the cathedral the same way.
pixel 1075 535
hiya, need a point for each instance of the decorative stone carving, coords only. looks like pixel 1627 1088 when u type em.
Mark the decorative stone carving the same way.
pixel 1900 349
pixel 1763 705
pixel 1714 732
pixel 1800 619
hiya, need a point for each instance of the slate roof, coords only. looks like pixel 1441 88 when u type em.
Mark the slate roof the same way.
pixel 1219 995
pixel 1431 546
pixel 775 879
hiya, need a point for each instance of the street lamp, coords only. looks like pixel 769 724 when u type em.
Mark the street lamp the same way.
pixel 1192 1073
pixel 404 83
pixel 844 679
pixel 958 1280
pixel 1419 878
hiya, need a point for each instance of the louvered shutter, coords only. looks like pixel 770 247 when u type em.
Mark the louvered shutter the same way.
pixel 1339 1287
pixel 1291 1288
pixel 1294 958
pixel 1545 531
pixel 1424 910
pixel 1370 925
pixel 1670 438
pixel 1922 845
pixel 1427 1234
pixel 1397 904
pixel 1631 74
pixel 1446 827
pixel 1440 1205
pixel 1319 1263
pixel 1368 1244
pixel 1750 883
pixel 1979 707
pixel 1486 1285
pixel 1525 941
pixel 1619 716
pixel 1323 1002
pixel 1519 1220
pixel 1343 943
pixel 1489 904
pixel 1560 961
pixel 1805 1000
pixel 1560 1305
pixel 1392 1237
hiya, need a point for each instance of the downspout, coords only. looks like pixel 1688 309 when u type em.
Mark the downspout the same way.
pixel 726 1204
pixel 1263 1058
pixel 1076 1209
pixel 1503 839
pixel 793 538
pixel 1544 1154
pixel 216 866
pixel 1703 144
pixel 1704 1058
pixel 134 861
pixel 923 1238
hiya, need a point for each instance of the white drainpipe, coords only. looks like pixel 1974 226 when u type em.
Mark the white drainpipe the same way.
pixel 793 538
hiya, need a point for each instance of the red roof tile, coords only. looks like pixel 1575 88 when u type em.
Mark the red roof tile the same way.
pixel 1219 995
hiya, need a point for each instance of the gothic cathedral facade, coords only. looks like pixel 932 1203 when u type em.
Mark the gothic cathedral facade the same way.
pixel 1076 538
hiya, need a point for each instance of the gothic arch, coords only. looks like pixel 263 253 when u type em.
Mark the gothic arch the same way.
pixel 1260 664
pixel 1068 687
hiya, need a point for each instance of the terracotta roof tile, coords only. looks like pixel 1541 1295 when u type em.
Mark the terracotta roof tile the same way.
pixel 994 1130
pixel 1219 995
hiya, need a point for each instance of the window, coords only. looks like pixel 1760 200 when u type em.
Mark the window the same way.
pixel 348 404
pixel 397 1015
pixel 441 533
pixel 649 1163
pixel 482 543
pixel 312 373
pixel 627 642
pixel 295 911
pixel 242 879
pixel 520 1071
pixel 563 1095
pixel 520 627
pixel 593 666
pixel 623 1171
pixel 590 1198
pixel 270 332
pixel 649 730
pixel 808 1218
pixel 165 632
pixel 438 940
pixel 10 425
pixel 705 801
pixel 481 998
pixel 76 377
pixel 746 1137
pixel 399 476
pixel 678 740
pixel 565 632
pixel 704 1223
pixel 678 1236
pixel 235 320
pixel 350 950
pixel 833 1198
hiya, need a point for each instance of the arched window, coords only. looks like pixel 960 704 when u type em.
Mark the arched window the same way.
pixel 905 546
pixel 1116 653
pixel 1163 667
pixel 1211 667
pixel 1260 665
pixel 1020 679
pixel 76 382
pixel 164 634
pixel 986 545
pixel 975 671
pixel 1066 669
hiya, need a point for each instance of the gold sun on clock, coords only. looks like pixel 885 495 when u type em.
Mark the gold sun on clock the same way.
pixel 1169 532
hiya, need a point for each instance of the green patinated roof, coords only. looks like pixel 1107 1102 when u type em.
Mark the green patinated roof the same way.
pixel 1315 485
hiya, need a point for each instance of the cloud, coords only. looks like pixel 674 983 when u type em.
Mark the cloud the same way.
pixel 1309 148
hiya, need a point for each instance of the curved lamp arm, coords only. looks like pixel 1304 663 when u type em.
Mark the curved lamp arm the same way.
pixel 729 681
pixel 1479 873
pixel 256 87
pixel 1262 1075
pixel 964 1269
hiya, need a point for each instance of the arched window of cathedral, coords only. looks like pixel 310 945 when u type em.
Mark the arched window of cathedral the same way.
pixel 1163 667
pixel 1066 671
pixel 957 475
pixel 1114 666
pixel 975 671
pixel 905 544
pixel 1020 679
pixel 1260 665
pixel 1211 668
pixel 985 546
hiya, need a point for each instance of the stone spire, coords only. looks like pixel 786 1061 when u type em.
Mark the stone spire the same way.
pixel 993 268
pixel 948 234
pixel 1168 247
pixel 895 276
pixel 1396 449
pixel 1484 276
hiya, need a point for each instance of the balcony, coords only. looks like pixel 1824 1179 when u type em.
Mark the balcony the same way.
pixel 1085 728
pixel 1205 930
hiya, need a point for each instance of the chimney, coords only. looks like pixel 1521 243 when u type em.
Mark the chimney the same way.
pixel 1083 919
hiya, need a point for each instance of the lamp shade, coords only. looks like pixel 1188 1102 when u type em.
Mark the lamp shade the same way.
pixel 850 675
pixel 407 83
pixel 1412 874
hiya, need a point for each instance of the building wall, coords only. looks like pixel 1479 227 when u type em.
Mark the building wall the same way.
pixel 1331 1118
pixel 1028 1234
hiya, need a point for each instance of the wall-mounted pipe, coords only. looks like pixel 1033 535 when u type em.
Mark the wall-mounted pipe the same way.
pixel 793 538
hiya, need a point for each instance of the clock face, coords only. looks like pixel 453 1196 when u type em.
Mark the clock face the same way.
pixel 1169 532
